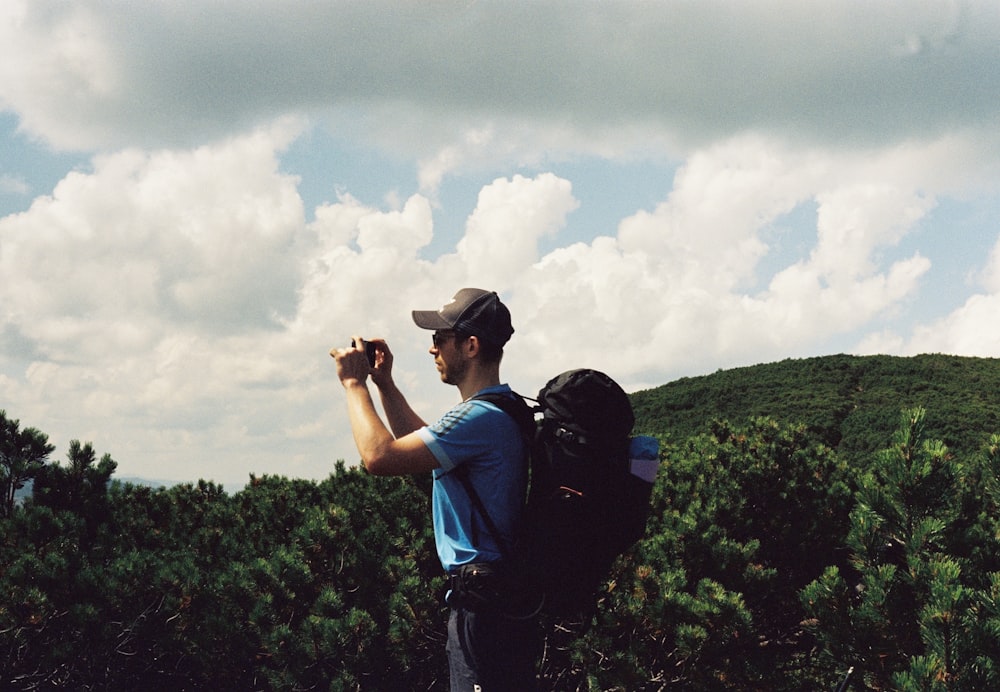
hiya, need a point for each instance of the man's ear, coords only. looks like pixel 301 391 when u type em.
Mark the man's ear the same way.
pixel 471 346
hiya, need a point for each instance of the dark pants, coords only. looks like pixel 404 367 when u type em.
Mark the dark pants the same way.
pixel 491 652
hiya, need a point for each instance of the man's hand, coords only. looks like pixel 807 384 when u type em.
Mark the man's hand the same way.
pixel 352 363
pixel 382 372
pixel 381 453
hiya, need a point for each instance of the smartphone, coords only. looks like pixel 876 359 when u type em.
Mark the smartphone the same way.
pixel 369 351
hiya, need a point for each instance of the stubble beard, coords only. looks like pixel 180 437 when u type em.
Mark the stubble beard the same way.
pixel 453 373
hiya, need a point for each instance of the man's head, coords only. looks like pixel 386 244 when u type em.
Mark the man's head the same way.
pixel 472 312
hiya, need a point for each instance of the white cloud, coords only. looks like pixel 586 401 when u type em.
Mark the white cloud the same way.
pixel 206 235
pixel 122 286
pixel 182 296
pixel 98 73
pixel 57 64
pixel 674 290
pixel 12 185
pixel 990 275
pixel 502 234
pixel 175 301
pixel 475 145
pixel 971 330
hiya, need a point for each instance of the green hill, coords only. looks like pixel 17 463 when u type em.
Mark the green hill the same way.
pixel 851 403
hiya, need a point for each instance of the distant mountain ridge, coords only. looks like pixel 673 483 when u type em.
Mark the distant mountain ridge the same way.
pixel 851 403
pixel 28 488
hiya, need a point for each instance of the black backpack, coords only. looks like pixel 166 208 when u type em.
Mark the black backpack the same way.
pixel 584 506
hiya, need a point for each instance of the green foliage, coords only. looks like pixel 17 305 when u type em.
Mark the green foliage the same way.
pixel 22 454
pixel 782 550
pixel 849 403
pixel 743 518
pixel 912 612
pixel 285 585
pixel 79 488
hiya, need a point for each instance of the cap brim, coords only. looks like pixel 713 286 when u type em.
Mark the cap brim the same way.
pixel 430 319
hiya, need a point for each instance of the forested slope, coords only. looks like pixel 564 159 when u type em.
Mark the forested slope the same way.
pixel 851 403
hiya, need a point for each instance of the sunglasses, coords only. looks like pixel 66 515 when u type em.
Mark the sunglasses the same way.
pixel 441 338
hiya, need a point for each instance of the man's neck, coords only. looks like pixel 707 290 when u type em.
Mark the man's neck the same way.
pixel 478 380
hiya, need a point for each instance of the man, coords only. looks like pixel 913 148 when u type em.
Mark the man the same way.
pixel 491 646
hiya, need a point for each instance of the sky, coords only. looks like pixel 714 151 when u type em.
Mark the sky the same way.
pixel 198 200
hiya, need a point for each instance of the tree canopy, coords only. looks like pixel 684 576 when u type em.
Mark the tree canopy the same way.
pixel 22 455
pixel 774 559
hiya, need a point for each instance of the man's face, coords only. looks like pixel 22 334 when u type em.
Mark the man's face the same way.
pixel 449 357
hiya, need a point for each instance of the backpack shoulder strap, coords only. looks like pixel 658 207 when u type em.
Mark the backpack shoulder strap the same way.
pixel 462 474
pixel 524 416
pixel 517 408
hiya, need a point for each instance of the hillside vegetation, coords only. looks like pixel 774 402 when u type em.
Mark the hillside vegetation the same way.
pixel 850 403
pixel 830 523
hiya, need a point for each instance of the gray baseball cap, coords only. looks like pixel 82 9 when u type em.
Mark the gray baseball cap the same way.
pixel 472 311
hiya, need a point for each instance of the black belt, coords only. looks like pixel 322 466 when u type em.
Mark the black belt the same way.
pixel 479 576
pixel 490 585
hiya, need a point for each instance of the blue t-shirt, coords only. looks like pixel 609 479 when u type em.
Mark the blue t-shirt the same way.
pixel 480 435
